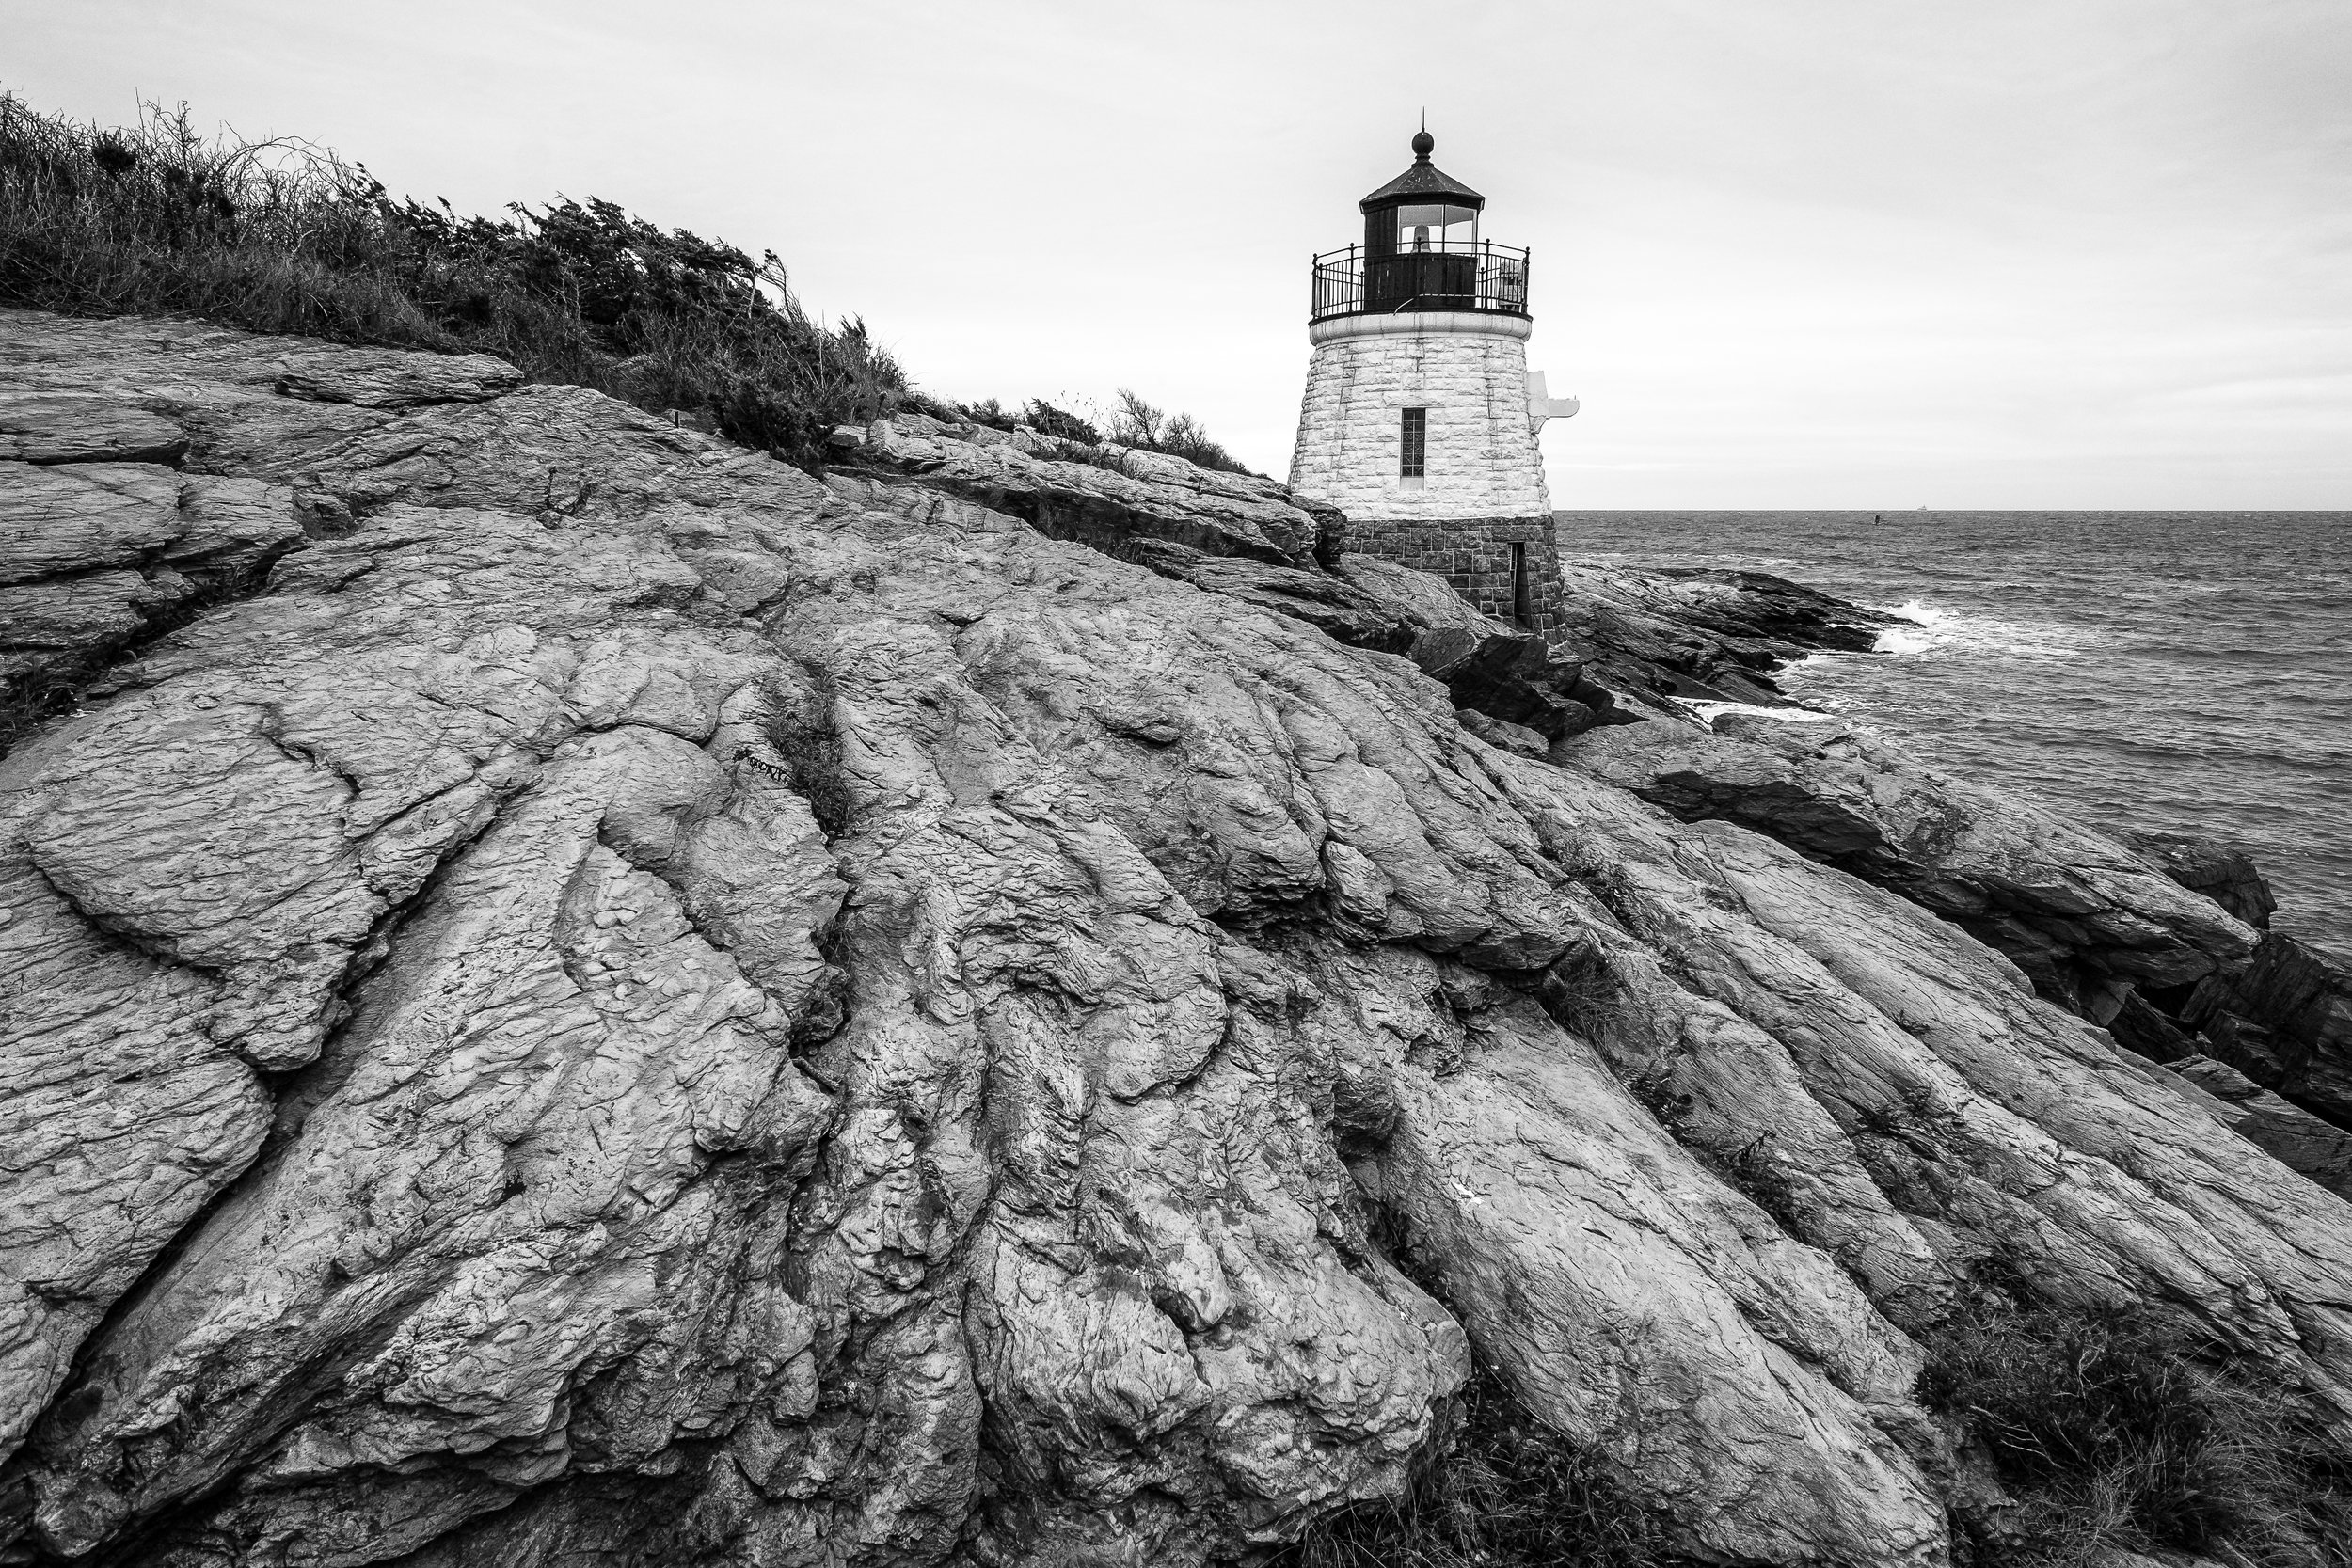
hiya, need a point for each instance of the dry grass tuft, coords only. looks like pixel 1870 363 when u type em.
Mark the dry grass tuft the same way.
pixel 2123 1431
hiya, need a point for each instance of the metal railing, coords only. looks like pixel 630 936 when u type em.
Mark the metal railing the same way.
pixel 1461 276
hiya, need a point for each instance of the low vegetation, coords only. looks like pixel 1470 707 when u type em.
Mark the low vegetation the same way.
pixel 1133 423
pixel 1039 416
pixel 283 237
pixel 2124 1431
pixel 2110 1432
pixel 1137 423
pixel 1503 1490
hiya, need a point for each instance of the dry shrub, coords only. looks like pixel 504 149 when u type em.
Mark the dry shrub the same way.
pixel 1138 424
pixel 990 413
pixel 283 237
pixel 1060 423
pixel 2125 1431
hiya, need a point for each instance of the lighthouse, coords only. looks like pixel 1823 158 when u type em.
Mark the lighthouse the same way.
pixel 1421 415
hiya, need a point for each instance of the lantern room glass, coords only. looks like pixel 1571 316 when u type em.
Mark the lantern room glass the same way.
pixel 1436 227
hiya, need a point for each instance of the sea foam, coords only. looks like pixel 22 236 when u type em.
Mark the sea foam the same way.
pixel 1894 640
pixel 1709 712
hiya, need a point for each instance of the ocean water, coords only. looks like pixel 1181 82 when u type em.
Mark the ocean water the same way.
pixel 2187 671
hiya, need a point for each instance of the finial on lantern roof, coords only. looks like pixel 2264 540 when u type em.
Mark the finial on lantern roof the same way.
pixel 1423 182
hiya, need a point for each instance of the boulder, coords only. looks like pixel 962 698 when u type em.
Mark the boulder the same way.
pixel 58 426
pixel 1332 605
pixel 1511 737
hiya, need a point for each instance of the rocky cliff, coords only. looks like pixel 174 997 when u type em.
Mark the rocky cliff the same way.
pixel 575 995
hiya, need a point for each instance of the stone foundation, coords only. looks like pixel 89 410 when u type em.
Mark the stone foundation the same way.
pixel 1473 554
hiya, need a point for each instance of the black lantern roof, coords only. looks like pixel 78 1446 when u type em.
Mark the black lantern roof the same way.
pixel 1423 182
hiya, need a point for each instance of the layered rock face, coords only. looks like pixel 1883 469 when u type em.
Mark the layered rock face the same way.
pixel 2087 917
pixel 2162 942
pixel 605 1001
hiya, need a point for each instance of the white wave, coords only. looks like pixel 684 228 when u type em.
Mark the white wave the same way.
pixel 1912 610
pixel 1895 640
pixel 1983 636
pixel 1709 712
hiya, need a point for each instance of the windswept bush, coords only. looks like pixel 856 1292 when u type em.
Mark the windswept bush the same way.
pixel 1075 439
pixel 1133 423
pixel 283 237
pixel 1138 424
pixel 990 413
pixel 1059 423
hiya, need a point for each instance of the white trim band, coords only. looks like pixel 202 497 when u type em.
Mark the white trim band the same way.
pixel 1481 324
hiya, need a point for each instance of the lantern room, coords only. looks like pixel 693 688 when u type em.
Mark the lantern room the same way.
pixel 1422 251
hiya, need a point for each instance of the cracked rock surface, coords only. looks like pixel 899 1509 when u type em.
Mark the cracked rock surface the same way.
pixel 2084 913
pixel 609 1001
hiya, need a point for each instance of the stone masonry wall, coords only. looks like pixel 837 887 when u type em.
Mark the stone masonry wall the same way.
pixel 1483 490
pixel 1469 372
pixel 1474 555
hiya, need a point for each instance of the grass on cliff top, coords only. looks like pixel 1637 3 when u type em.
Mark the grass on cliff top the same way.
pixel 283 237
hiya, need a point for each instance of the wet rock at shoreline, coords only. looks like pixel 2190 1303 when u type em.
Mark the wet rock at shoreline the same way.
pixel 2284 1019
pixel 2223 873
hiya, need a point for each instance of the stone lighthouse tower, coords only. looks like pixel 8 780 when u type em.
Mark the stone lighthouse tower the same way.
pixel 1420 414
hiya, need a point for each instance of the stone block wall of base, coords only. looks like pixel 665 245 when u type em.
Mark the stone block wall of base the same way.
pixel 1476 556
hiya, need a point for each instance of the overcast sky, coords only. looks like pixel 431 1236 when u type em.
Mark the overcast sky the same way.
pixel 1791 253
